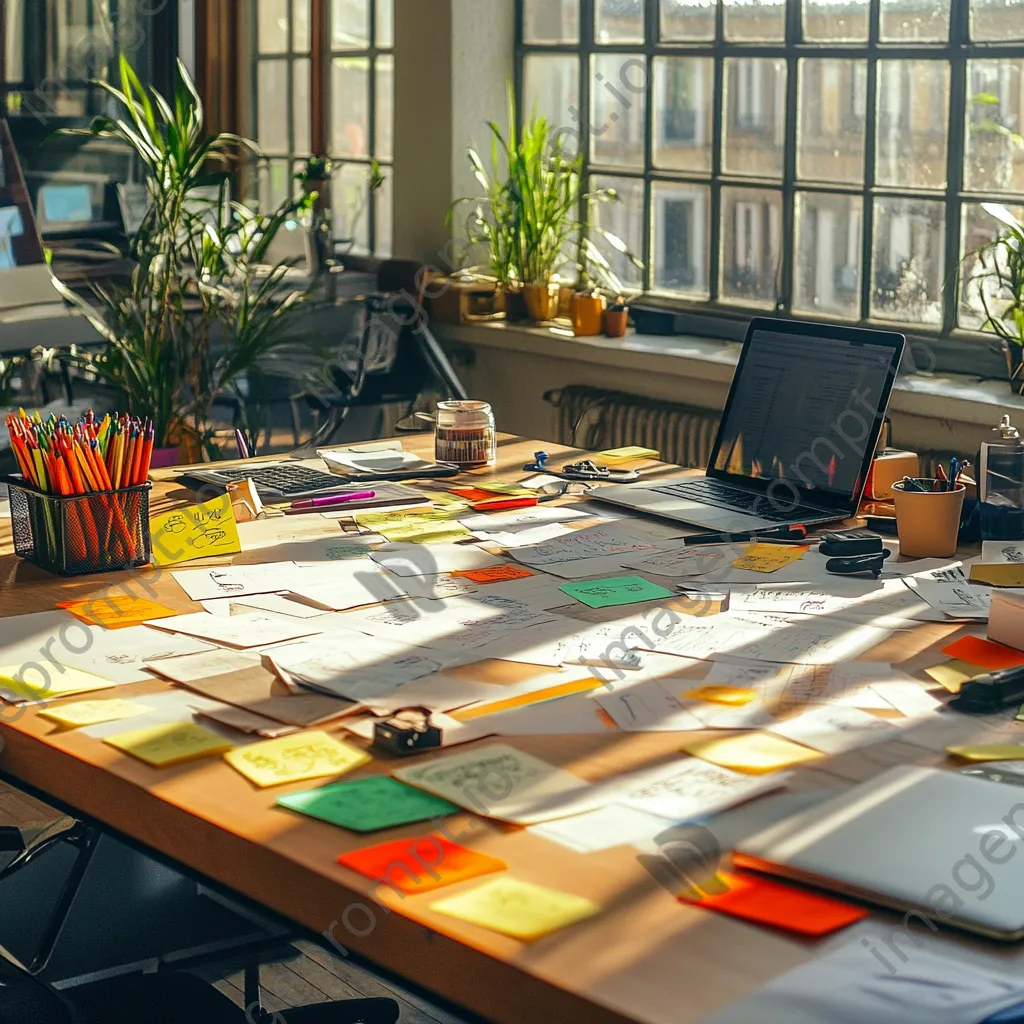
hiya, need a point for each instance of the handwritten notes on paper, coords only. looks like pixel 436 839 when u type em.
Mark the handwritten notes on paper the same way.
pixel 835 730
pixel 616 591
pixel 680 561
pixel 593 542
pixel 171 743
pixel 516 908
pixel 252 629
pixel 769 557
pixel 447 863
pixel 307 755
pixel 416 526
pixel 495 574
pixel 196 532
pixel 94 712
pixel 417 560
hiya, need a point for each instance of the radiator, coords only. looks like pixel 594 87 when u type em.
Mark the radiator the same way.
pixel 595 419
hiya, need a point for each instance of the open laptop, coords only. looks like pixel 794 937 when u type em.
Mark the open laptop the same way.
pixel 936 843
pixel 797 436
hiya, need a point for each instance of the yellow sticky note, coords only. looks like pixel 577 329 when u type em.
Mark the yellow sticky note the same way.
pixel 755 753
pixel 378 522
pixel 516 908
pixel 171 743
pixel 424 533
pixel 989 752
pixel 735 696
pixel 953 674
pixel 307 755
pixel 28 683
pixel 1010 574
pixel 629 452
pixel 512 490
pixel 115 611
pixel 769 557
pixel 198 531
pixel 94 712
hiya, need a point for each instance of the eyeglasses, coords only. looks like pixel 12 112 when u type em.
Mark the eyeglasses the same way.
pixel 566 488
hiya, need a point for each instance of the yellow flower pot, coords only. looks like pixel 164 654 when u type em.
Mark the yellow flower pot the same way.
pixel 586 311
pixel 541 301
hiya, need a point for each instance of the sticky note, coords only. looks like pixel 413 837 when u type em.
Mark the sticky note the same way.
pixel 953 674
pixel 94 712
pixel 755 753
pixel 988 752
pixel 171 743
pixel 615 591
pixel 367 805
pixel 425 532
pixel 198 531
pixel 421 865
pixel 520 909
pixel 475 494
pixel 512 490
pixel 754 898
pixel 495 574
pixel 1009 574
pixel 30 683
pixel 306 755
pixel 976 650
pixel 116 611
pixel 769 557
pixel 629 452
pixel 735 696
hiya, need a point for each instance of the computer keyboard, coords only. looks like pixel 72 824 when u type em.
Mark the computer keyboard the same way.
pixel 285 480
pixel 714 493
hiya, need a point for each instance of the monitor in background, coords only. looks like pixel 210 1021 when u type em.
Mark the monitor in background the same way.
pixel 66 206
pixel 20 245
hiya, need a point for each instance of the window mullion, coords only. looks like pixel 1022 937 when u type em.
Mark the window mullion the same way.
pixel 787 252
pixel 652 15
pixel 870 143
pixel 718 113
pixel 959 29
pixel 319 80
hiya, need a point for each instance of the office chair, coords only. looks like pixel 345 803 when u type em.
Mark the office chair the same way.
pixel 394 359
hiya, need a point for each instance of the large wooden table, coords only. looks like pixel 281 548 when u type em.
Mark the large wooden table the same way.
pixel 645 958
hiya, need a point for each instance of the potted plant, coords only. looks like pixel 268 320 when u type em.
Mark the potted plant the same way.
pixel 997 279
pixel 597 278
pixel 315 179
pixel 616 318
pixel 201 308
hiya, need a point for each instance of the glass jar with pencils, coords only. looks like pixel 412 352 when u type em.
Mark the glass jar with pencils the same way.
pixel 81 504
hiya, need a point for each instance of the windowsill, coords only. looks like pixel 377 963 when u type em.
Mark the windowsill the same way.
pixel 950 397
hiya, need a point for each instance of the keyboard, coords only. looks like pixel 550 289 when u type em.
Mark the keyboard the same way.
pixel 276 481
pixel 712 492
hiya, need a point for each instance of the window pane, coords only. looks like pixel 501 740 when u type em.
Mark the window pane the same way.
pixel 350 24
pixel 833 99
pixel 272 26
pixel 14 28
pixel 683 95
pixel 755 20
pixel 979 228
pixel 680 242
pixel 913 110
pixel 275 184
pixel 553 84
pixel 385 112
pixel 835 21
pixel 272 105
pixel 350 197
pixel 301 105
pixel 619 21
pixel 828 256
pixel 755 124
pixel 908 264
pixel 350 106
pixel 916 20
pixel 619 99
pixel 551 21
pixel 385 24
pixel 300 26
pixel 687 20
pixel 997 19
pixel 624 219
pixel 751 246
pixel 384 212
pixel 995 106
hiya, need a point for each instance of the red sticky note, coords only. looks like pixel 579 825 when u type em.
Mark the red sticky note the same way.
pixel 976 650
pixel 764 901
pixel 421 865
pixel 474 494
pixel 495 574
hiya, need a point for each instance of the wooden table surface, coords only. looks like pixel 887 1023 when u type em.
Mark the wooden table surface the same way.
pixel 646 958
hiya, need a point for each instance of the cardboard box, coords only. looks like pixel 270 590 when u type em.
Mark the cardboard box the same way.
pixel 1006 619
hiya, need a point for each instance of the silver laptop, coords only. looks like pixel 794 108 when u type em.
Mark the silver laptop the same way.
pixel 797 436
pixel 938 844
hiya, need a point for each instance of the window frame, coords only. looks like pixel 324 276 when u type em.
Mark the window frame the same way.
pixel 945 347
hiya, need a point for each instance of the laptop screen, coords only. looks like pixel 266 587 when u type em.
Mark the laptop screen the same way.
pixel 805 409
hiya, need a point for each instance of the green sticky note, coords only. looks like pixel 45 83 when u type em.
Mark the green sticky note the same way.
pixel 366 805
pixel 615 591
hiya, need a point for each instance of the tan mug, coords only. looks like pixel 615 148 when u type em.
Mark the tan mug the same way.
pixel 928 522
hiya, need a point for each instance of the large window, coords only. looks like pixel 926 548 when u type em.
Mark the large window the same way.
pixel 325 84
pixel 822 158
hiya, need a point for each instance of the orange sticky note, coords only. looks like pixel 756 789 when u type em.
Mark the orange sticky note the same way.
pixel 495 574
pixel 473 493
pixel 735 696
pixel 115 611
pixel 421 865
pixel 754 898
pixel 976 650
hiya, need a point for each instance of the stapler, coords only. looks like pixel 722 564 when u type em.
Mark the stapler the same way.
pixel 990 692
pixel 407 731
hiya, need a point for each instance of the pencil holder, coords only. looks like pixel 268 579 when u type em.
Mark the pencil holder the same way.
pixel 79 534
pixel 928 522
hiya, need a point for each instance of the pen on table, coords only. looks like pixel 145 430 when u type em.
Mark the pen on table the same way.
pixel 796 534
pixel 243 447
pixel 333 499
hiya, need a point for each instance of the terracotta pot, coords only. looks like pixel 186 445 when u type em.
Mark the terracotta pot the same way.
pixel 1014 366
pixel 541 301
pixel 514 305
pixel 586 313
pixel 164 457
pixel 615 322
pixel 565 297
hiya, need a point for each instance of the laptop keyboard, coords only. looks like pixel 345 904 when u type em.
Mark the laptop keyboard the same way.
pixel 286 480
pixel 714 493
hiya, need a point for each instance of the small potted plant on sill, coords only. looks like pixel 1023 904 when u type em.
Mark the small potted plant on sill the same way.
pixel 597 277
pixel 616 318
pixel 315 179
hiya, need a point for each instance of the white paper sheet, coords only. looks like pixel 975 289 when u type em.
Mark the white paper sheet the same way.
pixel 512 539
pixel 514 520
pixel 176 706
pixel 907 696
pixel 567 641
pixel 685 561
pixel 1002 551
pixel 253 629
pixel 577 714
pixel 191 668
pixel 835 730
pixel 603 829
pixel 594 542
pixel 648 707
pixel 431 559
pixel 351 591
pixel 279 604
pixel 233 580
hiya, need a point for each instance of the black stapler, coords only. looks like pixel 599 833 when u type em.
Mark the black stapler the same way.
pixel 988 693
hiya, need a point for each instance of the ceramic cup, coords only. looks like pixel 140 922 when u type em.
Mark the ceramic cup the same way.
pixel 928 521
